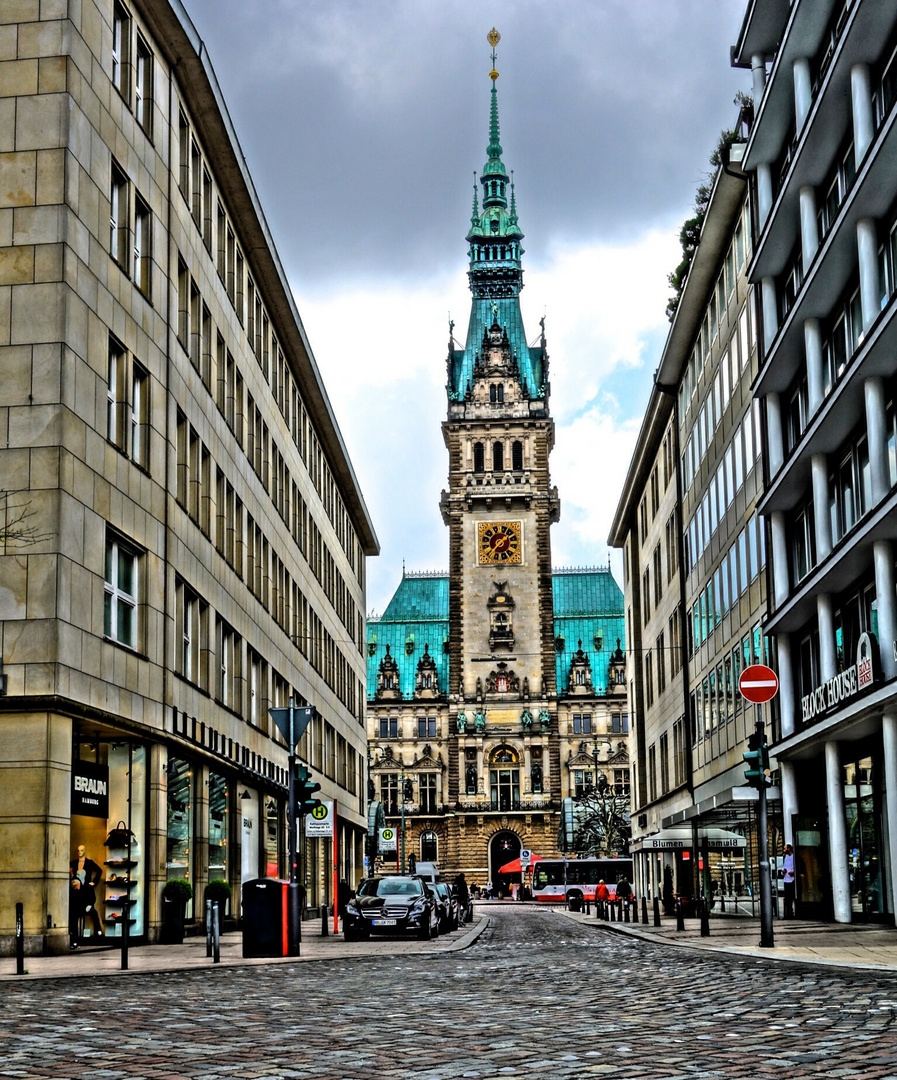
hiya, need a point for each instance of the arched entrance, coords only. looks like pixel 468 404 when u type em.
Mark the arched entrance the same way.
pixel 504 848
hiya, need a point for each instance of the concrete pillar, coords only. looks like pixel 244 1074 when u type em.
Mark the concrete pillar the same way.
pixel 819 468
pixel 764 193
pixel 809 226
pixel 863 120
pixel 787 700
pixel 815 370
pixel 770 311
pixel 788 783
pixel 803 91
pixel 889 745
pixel 758 78
pixel 774 433
pixel 886 593
pixel 828 655
pixel 870 290
pixel 837 834
pixel 877 436
pixel 780 576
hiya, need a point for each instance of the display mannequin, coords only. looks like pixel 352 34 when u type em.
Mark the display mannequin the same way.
pixel 84 876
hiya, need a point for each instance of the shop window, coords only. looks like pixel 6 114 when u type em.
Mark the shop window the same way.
pixel 219 807
pixel 179 855
pixel 121 592
pixel 273 832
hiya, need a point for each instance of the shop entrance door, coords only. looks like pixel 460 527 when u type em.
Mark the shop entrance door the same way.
pixel 862 812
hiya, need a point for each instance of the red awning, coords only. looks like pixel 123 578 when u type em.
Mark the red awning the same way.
pixel 514 867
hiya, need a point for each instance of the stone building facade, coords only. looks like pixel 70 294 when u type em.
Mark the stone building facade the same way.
pixel 496 688
pixel 197 536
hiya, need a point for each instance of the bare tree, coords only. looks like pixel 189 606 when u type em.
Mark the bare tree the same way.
pixel 603 817
pixel 16 524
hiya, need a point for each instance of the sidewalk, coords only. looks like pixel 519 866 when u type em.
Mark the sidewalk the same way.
pixel 857 946
pixel 153 959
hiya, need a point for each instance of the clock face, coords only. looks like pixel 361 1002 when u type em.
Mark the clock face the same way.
pixel 499 542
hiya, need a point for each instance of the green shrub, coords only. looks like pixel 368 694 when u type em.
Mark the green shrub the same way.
pixel 178 889
pixel 218 891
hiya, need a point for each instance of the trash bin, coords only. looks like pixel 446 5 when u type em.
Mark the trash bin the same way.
pixel 264 905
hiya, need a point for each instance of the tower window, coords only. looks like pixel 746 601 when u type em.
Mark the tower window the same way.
pixel 497 393
pixel 498 457
pixel 517 457
pixel 479 463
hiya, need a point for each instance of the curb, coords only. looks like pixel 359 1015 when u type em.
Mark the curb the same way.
pixel 733 950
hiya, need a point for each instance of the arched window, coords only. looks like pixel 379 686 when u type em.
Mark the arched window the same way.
pixel 517 457
pixel 498 457
pixel 429 847
pixel 479 463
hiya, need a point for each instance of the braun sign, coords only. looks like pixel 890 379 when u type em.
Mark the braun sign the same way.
pixel 844 685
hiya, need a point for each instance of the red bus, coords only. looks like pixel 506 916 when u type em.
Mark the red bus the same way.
pixel 555 880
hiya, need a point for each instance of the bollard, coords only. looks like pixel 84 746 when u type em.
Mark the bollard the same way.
pixel 644 910
pixel 705 918
pixel 587 909
pixel 722 903
pixel 20 939
pixel 607 906
pixel 324 920
pixel 657 911
pixel 680 917
pixel 216 941
pixel 613 911
pixel 208 927
pixel 625 911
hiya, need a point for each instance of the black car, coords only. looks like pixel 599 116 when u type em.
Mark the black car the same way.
pixel 448 915
pixel 392 904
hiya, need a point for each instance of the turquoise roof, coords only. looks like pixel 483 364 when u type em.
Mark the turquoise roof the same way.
pixel 588 604
pixel 496 277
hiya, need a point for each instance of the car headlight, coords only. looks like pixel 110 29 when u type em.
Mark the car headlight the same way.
pixel 418 906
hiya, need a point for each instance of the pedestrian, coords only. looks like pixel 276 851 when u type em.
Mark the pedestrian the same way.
pixel 602 895
pixel 463 895
pixel 788 880
pixel 489 891
pixel 624 893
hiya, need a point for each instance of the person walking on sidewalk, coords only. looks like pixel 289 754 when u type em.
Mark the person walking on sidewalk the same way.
pixel 788 880
pixel 624 893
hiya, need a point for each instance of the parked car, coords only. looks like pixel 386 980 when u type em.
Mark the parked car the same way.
pixel 448 904
pixel 392 904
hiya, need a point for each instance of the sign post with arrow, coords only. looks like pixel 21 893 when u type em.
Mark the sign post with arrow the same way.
pixel 291 722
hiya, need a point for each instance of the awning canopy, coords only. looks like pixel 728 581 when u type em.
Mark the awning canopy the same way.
pixel 680 838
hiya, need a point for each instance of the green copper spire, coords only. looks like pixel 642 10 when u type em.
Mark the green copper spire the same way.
pixel 496 273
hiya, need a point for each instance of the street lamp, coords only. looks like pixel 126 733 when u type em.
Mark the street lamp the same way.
pixel 406 794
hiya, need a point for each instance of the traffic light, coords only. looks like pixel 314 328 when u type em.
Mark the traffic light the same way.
pixel 305 791
pixel 757 772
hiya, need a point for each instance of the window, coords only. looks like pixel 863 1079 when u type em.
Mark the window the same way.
pixel 658 576
pixel 478 458
pixel 426 727
pixel 672 548
pixel 655 492
pixel 661 664
pixel 621 783
pixel 517 457
pixel 619 723
pixel 118 216
pixel 389 793
pixel 649 679
pixel 646 597
pixel 120 611
pixel 139 415
pixel 426 784
pixel 121 51
pixel 582 724
pixel 498 457
pixel 229 647
pixel 143 99
pixel 115 394
pixel 143 246
pixel 429 847
pixel 192 621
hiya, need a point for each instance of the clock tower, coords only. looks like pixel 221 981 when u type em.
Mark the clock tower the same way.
pixel 496 694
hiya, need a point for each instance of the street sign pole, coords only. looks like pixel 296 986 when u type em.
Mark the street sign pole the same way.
pixel 335 872
pixel 294 900
pixel 767 936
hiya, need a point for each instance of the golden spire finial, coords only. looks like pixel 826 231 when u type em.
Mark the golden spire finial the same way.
pixel 493 37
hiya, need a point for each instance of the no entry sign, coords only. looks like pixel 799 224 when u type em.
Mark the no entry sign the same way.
pixel 758 683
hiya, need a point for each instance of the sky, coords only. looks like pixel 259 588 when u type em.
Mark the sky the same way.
pixel 363 123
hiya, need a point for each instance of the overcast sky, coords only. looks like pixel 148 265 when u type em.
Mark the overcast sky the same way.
pixel 363 122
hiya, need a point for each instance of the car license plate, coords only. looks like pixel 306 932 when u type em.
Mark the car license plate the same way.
pixel 384 922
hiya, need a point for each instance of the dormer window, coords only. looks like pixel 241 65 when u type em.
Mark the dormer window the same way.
pixel 497 393
pixel 494 226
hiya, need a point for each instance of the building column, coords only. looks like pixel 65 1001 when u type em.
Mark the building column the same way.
pixel 815 370
pixel 828 655
pixel 774 434
pixel 788 784
pixel 823 521
pixel 803 91
pixel 889 744
pixel 867 249
pixel 770 311
pixel 837 834
pixel 758 78
pixel 528 772
pixel 886 594
pixel 764 193
pixel 877 437
pixel 786 685
pixel 781 588
pixel 809 226
pixel 863 119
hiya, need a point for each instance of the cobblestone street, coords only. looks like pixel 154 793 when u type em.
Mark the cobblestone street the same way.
pixel 535 995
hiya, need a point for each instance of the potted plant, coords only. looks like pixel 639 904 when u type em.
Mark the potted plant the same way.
pixel 218 892
pixel 176 894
